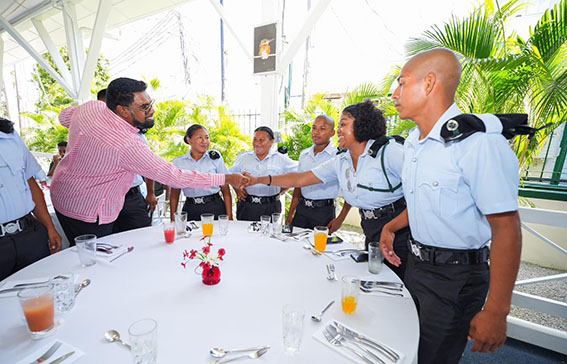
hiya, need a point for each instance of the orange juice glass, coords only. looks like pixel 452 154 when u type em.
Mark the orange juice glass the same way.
pixel 320 236
pixel 207 224
pixel 38 306
pixel 350 293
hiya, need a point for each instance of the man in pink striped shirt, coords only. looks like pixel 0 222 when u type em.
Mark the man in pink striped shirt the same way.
pixel 103 156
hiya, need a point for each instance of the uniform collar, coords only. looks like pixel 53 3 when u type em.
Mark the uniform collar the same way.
pixel 271 153
pixel 7 136
pixel 435 132
pixel 190 157
pixel 329 149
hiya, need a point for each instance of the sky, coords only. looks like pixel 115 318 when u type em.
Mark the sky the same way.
pixel 354 41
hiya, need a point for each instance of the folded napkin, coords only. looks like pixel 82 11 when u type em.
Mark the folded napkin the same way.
pixel 112 251
pixel 318 335
pixel 12 283
pixel 62 350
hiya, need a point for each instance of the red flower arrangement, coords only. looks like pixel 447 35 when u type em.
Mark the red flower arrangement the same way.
pixel 207 262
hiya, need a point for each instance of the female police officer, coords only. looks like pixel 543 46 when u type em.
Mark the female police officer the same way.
pixel 368 171
pixel 255 201
pixel 201 159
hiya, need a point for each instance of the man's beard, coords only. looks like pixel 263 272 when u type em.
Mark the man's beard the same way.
pixel 143 126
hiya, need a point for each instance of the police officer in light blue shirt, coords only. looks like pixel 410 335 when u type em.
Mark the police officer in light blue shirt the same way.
pixel 23 239
pixel 202 200
pixel 255 201
pixel 461 194
pixel 315 205
pixel 368 171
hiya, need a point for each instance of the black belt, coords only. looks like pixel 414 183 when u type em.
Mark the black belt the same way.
pixel 203 199
pixel 436 255
pixel 261 199
pixel 317 203
pixel 16 226
pixel 133 191
pixel 383 211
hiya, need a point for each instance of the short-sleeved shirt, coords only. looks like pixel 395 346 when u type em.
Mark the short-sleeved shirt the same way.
pixel 355 185
pixel 309 160
pixel 17 165
pixel 451 187
pixel 205 164
pixel 274 164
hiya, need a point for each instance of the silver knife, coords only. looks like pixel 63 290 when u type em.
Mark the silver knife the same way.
pixel 61 358
pixel 48 353
pixel 391 353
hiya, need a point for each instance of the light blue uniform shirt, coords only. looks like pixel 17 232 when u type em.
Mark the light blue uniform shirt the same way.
pixel 450 187
pixel 274 164
pixel 17 165
pixel 205 165
pixel 369 173
pixel 138 180
pixel 307 161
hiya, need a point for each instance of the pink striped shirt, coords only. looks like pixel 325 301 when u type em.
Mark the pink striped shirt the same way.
pixel 103 156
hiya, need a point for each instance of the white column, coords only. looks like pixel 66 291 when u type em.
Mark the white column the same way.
pixel 269 83
pixel 2 68
pixel 74 43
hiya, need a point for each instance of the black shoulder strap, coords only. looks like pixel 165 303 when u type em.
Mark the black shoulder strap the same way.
pixel 373 151
pixel 341 150
pixel 213 154
pixel 464 125
pixel 6 126
pixel 282 149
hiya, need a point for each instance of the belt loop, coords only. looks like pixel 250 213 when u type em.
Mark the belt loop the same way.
pixel 432 255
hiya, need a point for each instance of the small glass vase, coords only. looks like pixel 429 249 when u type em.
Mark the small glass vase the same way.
pixel 211 276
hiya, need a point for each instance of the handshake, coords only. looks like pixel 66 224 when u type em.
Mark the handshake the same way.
pixel 238 180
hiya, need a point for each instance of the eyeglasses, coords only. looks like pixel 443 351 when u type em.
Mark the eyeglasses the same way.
pixel 147 107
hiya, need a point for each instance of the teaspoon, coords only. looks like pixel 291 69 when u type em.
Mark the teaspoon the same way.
pixel 82 285
pixel 113 335
pixel 318 318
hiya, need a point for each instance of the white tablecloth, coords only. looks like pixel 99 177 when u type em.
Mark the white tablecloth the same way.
pixel 259 276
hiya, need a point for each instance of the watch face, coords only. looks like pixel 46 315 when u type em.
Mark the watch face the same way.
pixel 287 229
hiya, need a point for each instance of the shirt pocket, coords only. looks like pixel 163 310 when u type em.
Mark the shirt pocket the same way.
pixel 440 192
pixel 13 167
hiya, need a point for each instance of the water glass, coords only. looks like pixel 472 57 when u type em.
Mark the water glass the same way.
pixel 180 222
pixel 169 232
pixel 207 223
pixel 223 224
pixel 86 245
pixel 38 306
pixel 276 223
pixel 64 291
pixel 292 327
pixel 265 224
pixel 350 293
pixel 143 339
pixel 320 237
pixel 375 258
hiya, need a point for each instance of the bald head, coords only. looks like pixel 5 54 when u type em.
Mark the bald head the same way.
pixel 329 120
pixel 443 63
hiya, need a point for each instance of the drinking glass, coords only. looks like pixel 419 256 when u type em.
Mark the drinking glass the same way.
pixel 143 339
pixel 276 223
pixel 38 306
pixel 375 258
pixel 292 327
pixel 180 222
pixel 320 236
pixel 64 291
pixel 265 224
pixel 223 224
pixel 86 245
pixel 207 223
pixel 169 232
pixel 350 293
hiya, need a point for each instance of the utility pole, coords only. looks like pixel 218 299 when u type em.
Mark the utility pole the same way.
pixel 223 85
pixel 306 63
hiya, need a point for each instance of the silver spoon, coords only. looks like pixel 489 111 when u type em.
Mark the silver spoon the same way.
pixel 82 285
pixel 113 335
pixel 318 318
pixel 221 353
pixel 252 355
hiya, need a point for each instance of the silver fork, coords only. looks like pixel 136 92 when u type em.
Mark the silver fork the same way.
pixel 333 341
pixel 332 268
pixel 48 353
pixel 376 289
pixel 341 337
pixel 108 245
pixel 330 275
pixel 361 338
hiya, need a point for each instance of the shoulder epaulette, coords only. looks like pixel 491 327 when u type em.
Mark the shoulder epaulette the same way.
pixel 282 149
pixel 213 154
pixel 509 125
pixel 341 150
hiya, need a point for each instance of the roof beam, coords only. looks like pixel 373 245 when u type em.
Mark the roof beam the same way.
pixel 2 67
pixel 304 32
pixel 104 7
pixel 52 49
pixel 38 58
pixel 74 43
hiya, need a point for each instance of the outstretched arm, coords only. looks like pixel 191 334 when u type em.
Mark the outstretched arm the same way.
pixel 488 327
pixel 294 179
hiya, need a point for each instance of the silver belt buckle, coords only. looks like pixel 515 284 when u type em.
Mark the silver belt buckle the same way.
pixel 416 251
pixel 369 214
pixel 11 228
pixel 308 203
pixel 199 200
pixel 256 199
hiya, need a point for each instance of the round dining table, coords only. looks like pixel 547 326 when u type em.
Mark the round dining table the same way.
pixel 259 275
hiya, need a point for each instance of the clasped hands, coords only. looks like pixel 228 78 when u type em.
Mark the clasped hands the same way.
pixel 240 181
